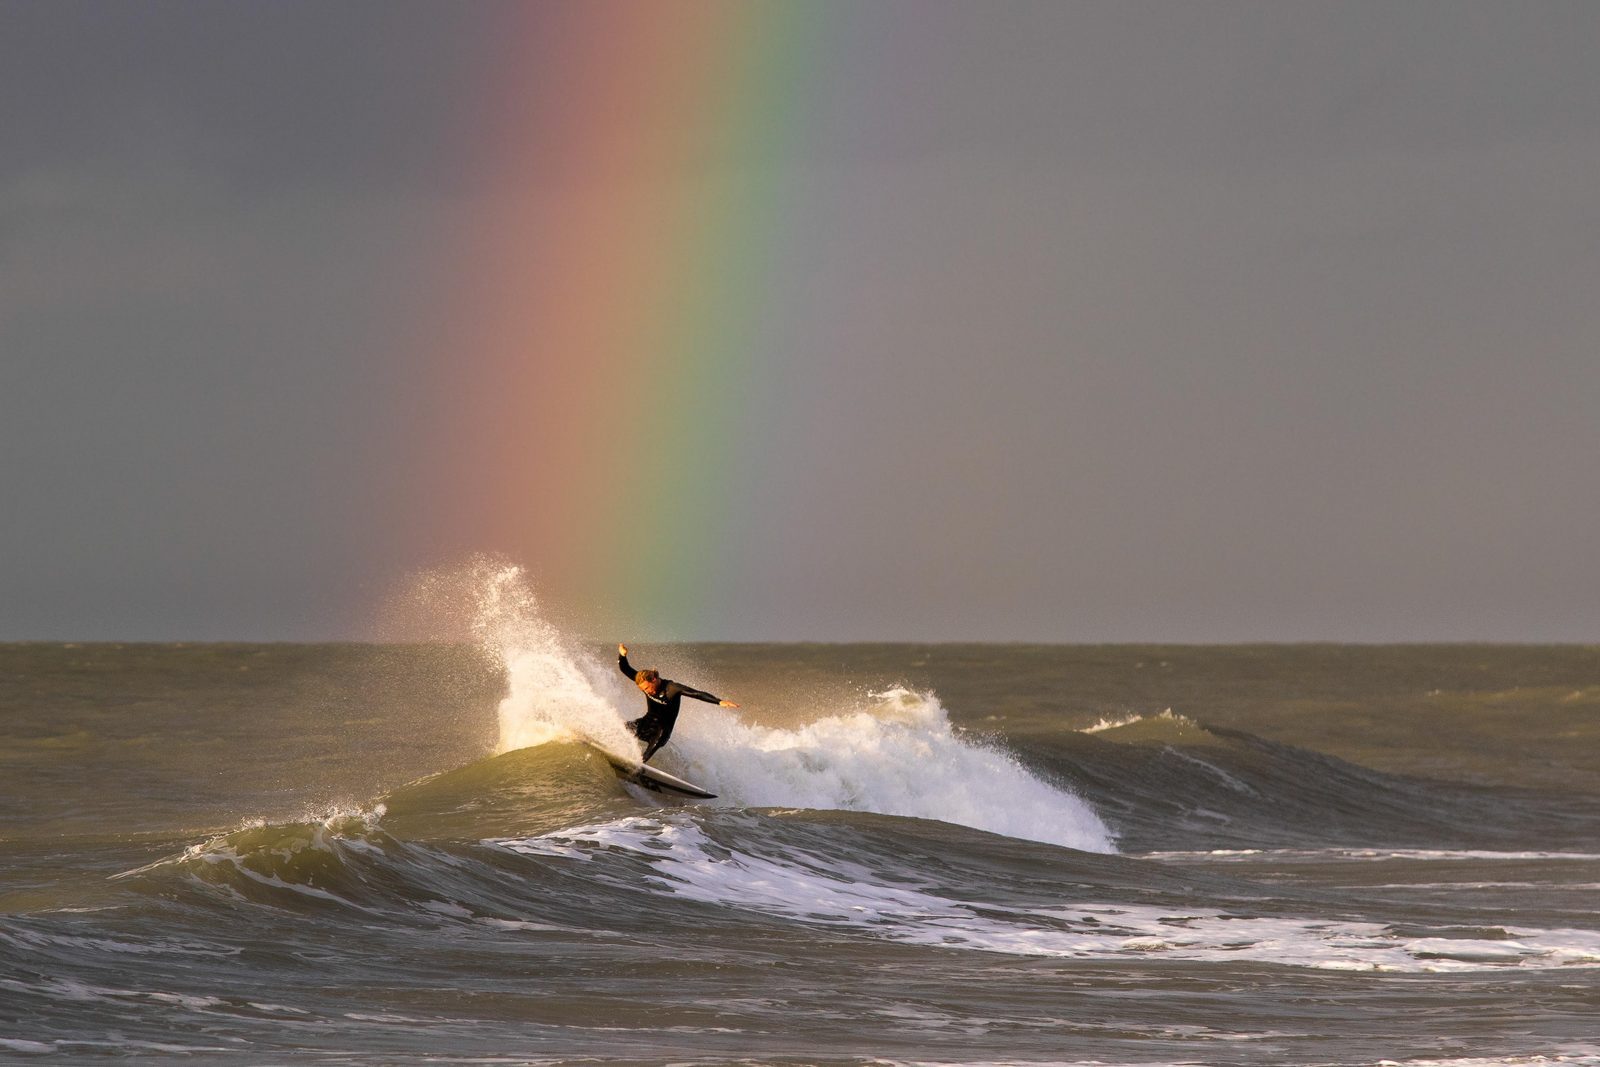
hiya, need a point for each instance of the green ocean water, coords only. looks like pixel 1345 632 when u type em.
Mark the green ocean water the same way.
pixel 1310 854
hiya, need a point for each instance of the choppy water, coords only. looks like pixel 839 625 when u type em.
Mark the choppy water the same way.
pixel 948 854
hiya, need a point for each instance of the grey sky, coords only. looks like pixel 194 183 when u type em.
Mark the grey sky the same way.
pixel 1179 321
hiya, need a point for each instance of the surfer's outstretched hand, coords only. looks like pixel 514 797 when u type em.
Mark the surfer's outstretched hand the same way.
pixel 727 704
pixel 622 649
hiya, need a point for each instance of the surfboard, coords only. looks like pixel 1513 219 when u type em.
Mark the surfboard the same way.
pixel 654 779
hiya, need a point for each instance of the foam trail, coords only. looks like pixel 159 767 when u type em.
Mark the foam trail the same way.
pixel 899 757
pixel 811 888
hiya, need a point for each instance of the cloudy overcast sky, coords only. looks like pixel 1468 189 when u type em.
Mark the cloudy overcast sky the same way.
pixel 1167 321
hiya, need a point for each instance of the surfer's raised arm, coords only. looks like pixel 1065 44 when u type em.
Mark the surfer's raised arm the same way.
pixel 622 662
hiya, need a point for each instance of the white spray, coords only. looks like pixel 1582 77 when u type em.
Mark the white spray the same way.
pixel 556 691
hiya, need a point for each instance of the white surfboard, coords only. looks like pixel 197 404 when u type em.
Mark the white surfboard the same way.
pixel 629 769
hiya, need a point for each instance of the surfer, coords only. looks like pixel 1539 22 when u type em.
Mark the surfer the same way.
pixel 654 727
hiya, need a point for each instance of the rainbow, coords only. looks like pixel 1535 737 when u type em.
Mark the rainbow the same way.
pixel 604 296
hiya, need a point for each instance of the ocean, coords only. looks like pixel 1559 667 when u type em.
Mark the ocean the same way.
pixel 920 854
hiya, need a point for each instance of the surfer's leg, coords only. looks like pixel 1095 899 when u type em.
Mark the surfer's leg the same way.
pixel 663 734
pixel 652 733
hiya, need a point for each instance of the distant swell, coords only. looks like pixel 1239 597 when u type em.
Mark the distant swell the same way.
pixel 1168 782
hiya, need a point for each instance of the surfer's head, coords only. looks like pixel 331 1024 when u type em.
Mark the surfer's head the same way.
pixel 648 680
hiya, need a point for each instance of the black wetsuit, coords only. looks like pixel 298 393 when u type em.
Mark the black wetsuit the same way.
pixel 661 713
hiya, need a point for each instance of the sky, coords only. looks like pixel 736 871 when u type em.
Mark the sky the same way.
pixel 824 321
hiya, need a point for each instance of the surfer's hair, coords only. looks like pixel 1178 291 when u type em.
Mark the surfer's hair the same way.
pixel 650 675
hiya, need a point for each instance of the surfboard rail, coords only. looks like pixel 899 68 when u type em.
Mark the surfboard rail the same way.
pixel 648 777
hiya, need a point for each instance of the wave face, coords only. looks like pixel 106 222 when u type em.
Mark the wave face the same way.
pixel 917 855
